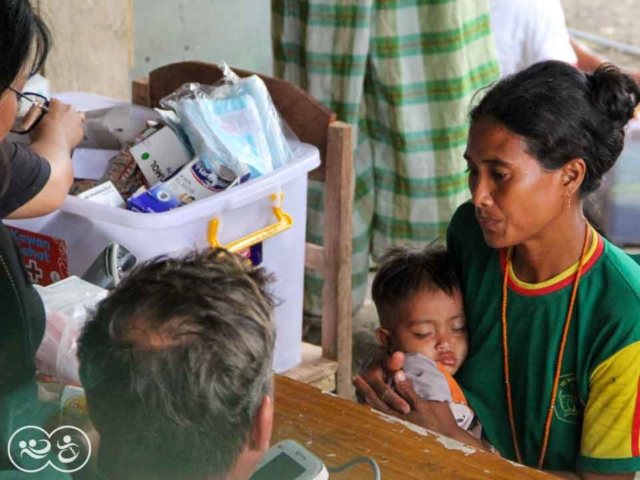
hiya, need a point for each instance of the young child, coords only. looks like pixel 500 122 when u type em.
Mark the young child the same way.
pixel 419 302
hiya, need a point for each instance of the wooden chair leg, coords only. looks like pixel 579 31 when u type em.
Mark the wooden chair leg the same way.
pixel 336 296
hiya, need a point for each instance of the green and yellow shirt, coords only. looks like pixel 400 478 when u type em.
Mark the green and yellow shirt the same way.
pixel 596 423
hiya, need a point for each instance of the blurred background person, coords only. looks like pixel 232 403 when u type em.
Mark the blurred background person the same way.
pixel 403 72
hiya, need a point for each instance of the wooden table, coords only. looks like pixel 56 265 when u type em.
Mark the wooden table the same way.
pixel 338 430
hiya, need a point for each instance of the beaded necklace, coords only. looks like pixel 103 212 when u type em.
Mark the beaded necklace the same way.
pixel 505 349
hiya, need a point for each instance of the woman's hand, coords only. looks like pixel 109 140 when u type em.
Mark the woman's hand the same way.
pixel 54 138
pixel 434 416
pixel 376 392
pixel 63 123
pixel 372 388
pixel 406 404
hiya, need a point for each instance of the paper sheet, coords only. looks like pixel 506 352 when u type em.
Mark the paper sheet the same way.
pixel 91 164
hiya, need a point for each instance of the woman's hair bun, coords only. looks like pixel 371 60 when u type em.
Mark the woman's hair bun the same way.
pixel 614 93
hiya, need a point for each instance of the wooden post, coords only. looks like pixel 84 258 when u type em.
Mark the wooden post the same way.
pixel 337 292
pixel 140 94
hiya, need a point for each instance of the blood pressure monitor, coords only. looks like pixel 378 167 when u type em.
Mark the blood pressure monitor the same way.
pixel 288 460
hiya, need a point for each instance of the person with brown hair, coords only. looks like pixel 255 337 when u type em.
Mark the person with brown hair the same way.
pixel 176 364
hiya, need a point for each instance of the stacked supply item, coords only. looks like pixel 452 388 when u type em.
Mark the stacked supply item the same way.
pixel 215 137
pixel 235 132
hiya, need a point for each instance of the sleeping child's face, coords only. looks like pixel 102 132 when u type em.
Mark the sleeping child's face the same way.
pixel 431 323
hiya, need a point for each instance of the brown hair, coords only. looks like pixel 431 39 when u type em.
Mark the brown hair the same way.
pixel 404 271
pixel 175 364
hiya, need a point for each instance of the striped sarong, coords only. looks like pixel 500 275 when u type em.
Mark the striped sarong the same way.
pixel 403 72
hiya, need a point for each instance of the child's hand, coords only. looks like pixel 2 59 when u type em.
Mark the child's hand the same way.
pixel 371 387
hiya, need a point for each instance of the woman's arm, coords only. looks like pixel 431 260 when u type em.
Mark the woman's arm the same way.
pixel 434 416
pixel 588 61
pixel 54 139
pixel 607 476
pixel 610 442
pixel 594 476
pixel 407 404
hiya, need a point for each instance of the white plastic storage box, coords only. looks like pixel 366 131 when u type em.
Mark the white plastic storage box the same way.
pixel 248 212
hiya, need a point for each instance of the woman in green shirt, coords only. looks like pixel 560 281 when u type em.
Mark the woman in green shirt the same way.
pixel 553 309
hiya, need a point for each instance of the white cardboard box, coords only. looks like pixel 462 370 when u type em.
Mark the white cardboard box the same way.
pixel 105 194
pixel 160 155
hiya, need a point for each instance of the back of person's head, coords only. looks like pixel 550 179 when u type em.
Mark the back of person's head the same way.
pixel 404 272
pixel 24 41
pixel 176 364
pixel 564 114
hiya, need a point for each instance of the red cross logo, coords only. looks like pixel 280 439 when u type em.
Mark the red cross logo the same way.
pixel 35 272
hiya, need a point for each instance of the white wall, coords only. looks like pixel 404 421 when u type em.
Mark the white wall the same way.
pixel 235 31
pixel 92 45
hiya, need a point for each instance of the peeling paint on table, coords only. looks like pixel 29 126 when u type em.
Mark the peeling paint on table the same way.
pixel 452 444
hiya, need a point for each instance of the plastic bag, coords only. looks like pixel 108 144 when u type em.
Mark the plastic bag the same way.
pixel 233 124
pixel 68 304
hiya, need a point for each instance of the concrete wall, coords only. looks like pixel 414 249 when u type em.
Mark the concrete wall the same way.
pixel 93 45
pixel 235 31
pixel 100 45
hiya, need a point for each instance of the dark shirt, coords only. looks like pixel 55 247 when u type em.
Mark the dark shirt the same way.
pixel 22 315
pixel 28 175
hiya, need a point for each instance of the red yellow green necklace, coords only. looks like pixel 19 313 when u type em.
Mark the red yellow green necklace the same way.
pixel 556 379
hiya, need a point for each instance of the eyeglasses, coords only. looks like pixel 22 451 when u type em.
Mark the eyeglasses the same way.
pixel 31 108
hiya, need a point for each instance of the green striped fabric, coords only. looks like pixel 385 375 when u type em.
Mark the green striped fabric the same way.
pixel 403 72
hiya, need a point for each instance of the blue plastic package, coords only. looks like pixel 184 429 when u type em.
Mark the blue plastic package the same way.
pixel 271 123
pixel 233 124
pixel 226 131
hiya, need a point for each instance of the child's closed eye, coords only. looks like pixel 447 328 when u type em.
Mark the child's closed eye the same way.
pixel 423 336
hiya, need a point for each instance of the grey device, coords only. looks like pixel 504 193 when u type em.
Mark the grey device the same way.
pixel 288 460
pixel 110 266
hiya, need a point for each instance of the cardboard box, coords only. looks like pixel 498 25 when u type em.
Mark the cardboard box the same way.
pixel 45 257
pixel 105 194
